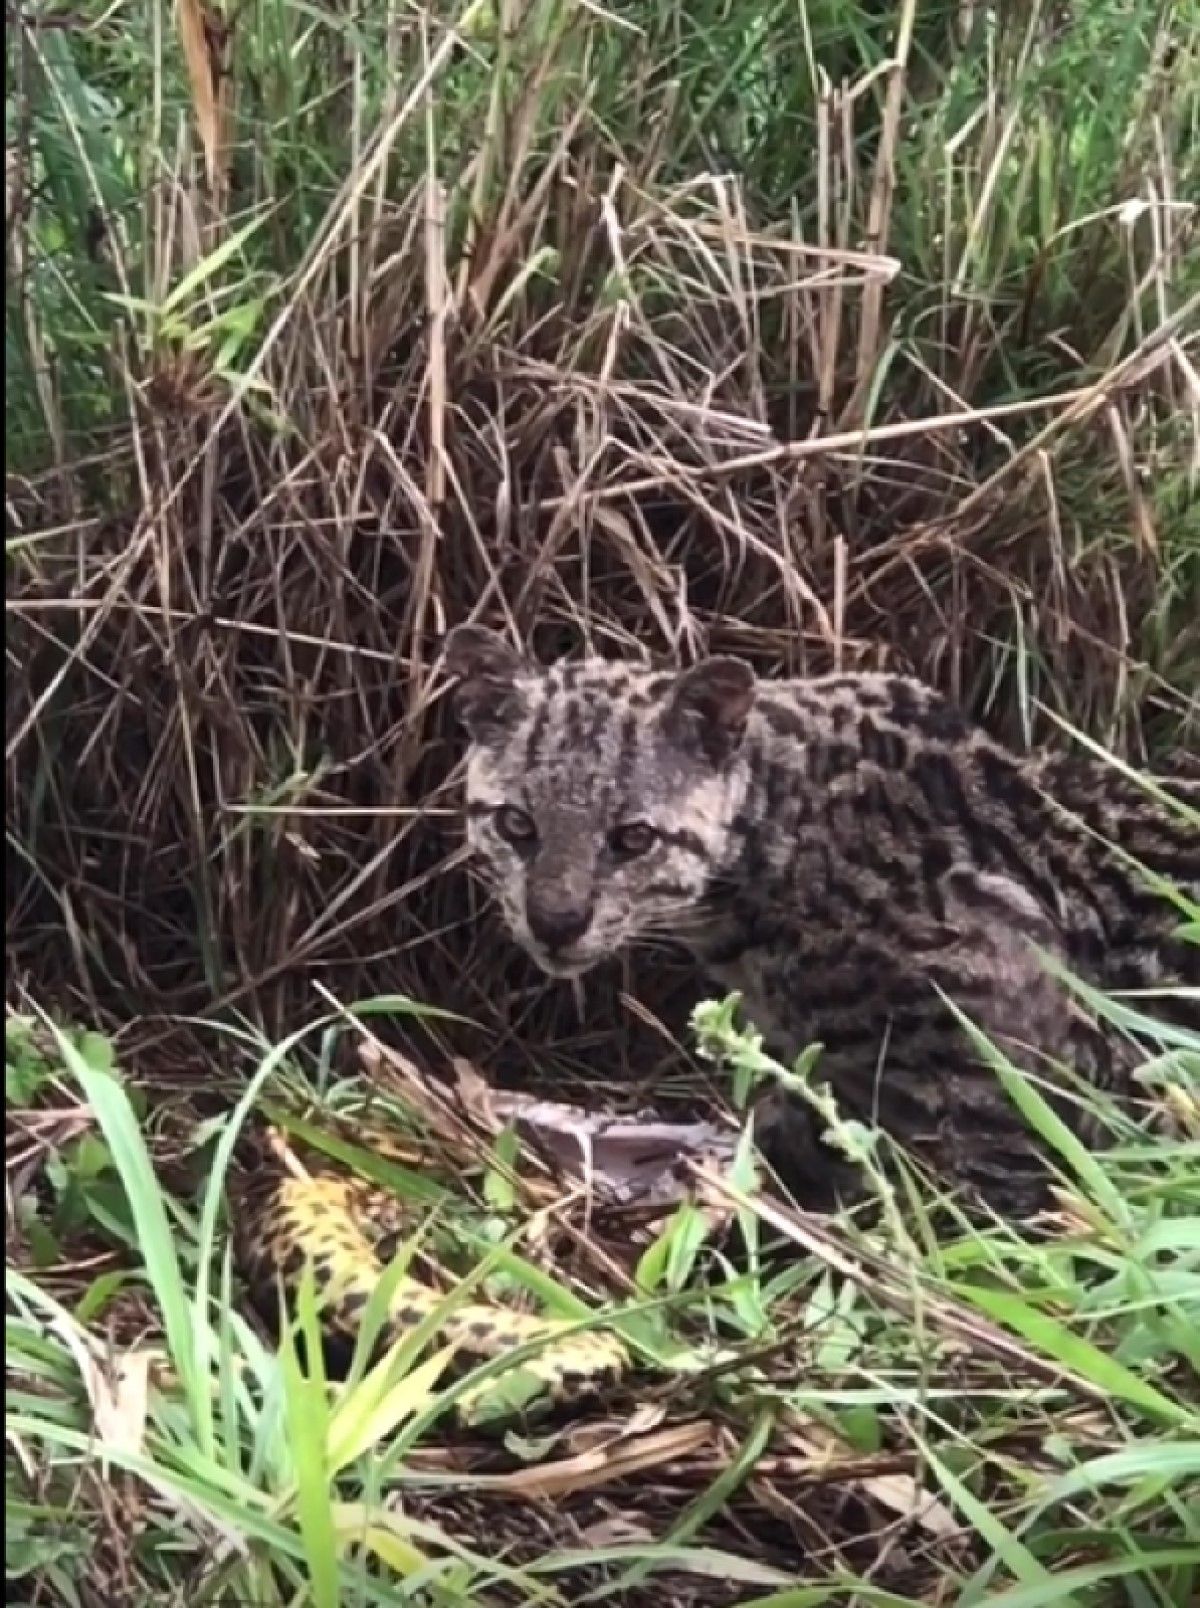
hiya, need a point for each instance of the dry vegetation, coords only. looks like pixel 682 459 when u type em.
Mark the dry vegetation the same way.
pixel 599 388
pixel 822 333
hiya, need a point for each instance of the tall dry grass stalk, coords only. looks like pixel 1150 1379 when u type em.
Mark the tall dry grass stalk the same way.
pixel 866 341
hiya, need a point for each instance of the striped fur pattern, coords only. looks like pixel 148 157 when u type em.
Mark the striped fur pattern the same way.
pixel 845 851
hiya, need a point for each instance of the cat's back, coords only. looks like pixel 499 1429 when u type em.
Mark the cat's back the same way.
pixel 878 786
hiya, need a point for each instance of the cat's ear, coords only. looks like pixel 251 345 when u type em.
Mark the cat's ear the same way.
pixel 472 651
pixel 487 668
pixel 708 707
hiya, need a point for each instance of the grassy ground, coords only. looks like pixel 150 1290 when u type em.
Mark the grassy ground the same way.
pixel 826 333
pixel 821 1411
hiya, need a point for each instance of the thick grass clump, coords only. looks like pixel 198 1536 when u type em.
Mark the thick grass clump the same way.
pixel 825 332
pixel 836 334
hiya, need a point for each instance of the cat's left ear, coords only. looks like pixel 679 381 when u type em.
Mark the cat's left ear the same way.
pixel 708 707
pixel 488 697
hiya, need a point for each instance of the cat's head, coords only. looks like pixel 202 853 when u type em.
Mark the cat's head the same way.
pixel 599 795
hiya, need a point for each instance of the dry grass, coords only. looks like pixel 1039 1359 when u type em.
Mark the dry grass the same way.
pixel 540 377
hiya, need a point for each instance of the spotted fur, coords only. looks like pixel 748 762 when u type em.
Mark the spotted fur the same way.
pixel 846 852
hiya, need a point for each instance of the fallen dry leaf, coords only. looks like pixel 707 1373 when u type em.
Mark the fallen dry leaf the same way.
pixel 905 1496
pixel 622 1159
pixel 119 1400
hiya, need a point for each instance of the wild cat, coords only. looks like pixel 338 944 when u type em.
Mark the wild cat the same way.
pixel 847 852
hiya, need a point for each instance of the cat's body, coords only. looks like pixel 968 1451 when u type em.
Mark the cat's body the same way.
pixel 842 851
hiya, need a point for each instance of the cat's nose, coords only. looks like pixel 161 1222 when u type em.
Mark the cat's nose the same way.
pixel 556 925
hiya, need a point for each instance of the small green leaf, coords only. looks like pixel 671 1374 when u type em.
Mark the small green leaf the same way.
pixel 43 1246
pixel 97 1051
pixel 100 1291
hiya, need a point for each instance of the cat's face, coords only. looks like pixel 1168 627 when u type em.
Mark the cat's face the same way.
pixel 599 795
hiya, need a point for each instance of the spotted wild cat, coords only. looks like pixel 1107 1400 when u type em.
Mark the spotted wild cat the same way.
pixel 845 851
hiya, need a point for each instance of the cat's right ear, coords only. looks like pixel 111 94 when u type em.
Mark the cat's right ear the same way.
pixel 708 707
pixel 488 697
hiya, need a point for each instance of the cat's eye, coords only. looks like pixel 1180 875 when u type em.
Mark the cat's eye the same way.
pixel 515 826
pixel 632 838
